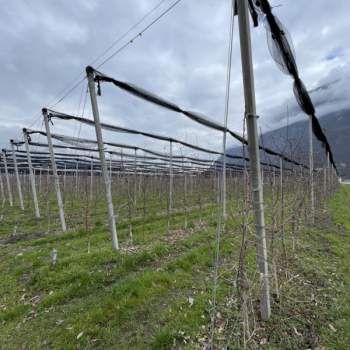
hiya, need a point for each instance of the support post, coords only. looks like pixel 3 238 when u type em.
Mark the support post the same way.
pixel 31 175
pixel 324 184
pixel 311 173
pixel 170 204
pixel 18 180
pixel 64 178
pixel 40 176
pixel 54 171
pixel 171 178
pixel 222 188
pixel 282 207
pixel 2 189
pixel 107 181
pixel 332 177
pixel 91 179
pixel 328 175
pixel 253 147
pixel 9 190
pixel 135 180
pixel 110 165
pixel 185 191
pixel 76 177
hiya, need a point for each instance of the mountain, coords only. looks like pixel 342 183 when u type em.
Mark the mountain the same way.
pixel 292 140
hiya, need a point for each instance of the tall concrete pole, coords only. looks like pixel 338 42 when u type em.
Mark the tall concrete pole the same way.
pixel 106 178
pixel 9 190
pixel 253 147
pixel 31 175
pixel 18 180
pixel 54 171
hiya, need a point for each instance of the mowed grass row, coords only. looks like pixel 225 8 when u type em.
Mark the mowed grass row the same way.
pixel 82 213
pixel 156 292
pixel 111 297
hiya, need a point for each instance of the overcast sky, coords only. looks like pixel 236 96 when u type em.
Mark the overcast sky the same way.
pixel 45 45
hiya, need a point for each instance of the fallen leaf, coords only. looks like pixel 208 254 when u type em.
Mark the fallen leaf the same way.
pixel 332 328
pixel 296 332
pixel 80 335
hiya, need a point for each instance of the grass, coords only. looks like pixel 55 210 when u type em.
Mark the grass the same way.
pixel 156 292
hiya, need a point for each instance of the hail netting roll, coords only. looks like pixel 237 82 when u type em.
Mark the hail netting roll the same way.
pixel 284 58
pixel 151 97
pixel 40 144
pixel 56 153
pixel 136 132
pixel 74 141
pixel 303 98
pixel 281 49
pixel 45 157
pixel 110 127
pixel 161 156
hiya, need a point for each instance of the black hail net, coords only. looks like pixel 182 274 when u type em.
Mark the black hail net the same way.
pixel 110 127
pixel 195 116
pixel 161 156
pixel 282 51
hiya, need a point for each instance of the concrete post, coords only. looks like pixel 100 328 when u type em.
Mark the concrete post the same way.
pixel 18 180
pixel 31 175
pixel 54 171
pixel 107 181
pixel 8 183
pixel 2 187
pixel 253 147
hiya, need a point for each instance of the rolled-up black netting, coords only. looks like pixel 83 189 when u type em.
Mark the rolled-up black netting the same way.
pixel 282 51
pixel 281 48
pixel 70 140
pixel 303 98
pixel 151 97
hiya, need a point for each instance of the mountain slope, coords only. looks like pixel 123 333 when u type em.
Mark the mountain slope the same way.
pixel 293 140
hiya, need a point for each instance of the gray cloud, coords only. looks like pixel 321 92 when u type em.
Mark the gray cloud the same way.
pixel 45 45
